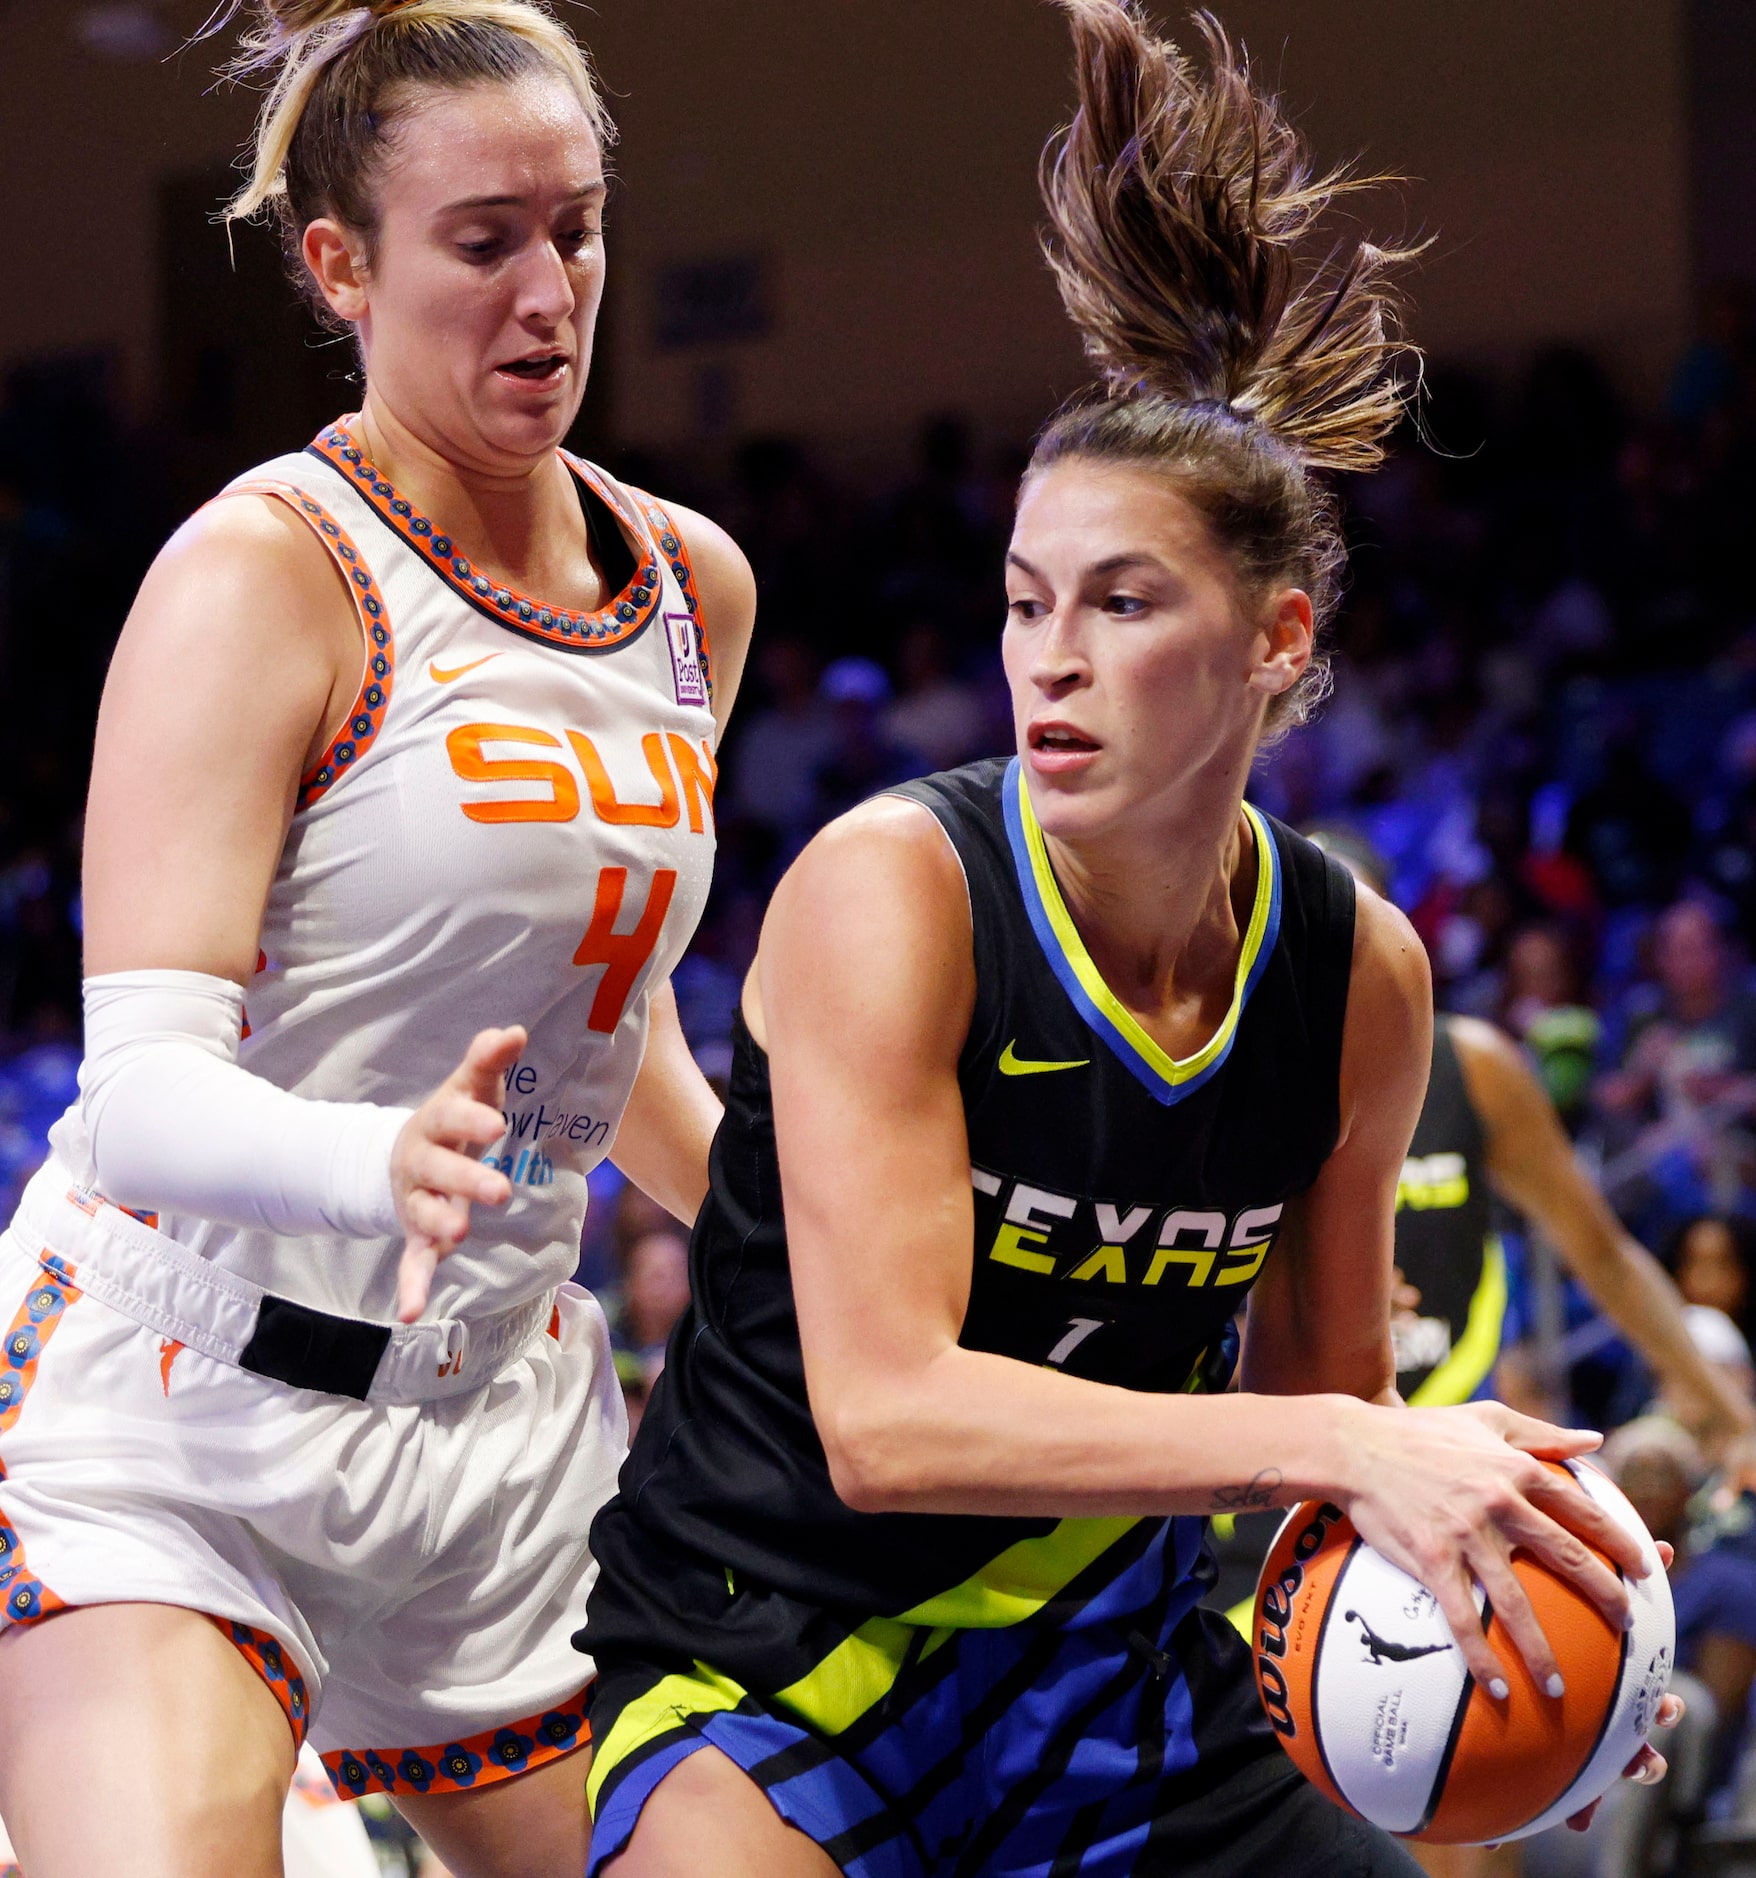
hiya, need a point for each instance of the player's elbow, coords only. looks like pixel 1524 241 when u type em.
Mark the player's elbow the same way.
pixel 873 1465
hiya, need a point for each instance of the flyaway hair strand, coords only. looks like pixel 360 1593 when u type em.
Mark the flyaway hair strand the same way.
pixel 1185 237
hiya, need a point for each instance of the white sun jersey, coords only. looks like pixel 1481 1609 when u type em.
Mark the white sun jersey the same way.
pixel 515 826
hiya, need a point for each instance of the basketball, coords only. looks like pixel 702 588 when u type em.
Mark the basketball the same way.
pixel 1363 1684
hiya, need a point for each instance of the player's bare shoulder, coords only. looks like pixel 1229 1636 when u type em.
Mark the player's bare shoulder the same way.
pixel 246 571
pixel 874 913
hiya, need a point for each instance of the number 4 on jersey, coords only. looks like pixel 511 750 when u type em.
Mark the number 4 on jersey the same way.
pixel 622 955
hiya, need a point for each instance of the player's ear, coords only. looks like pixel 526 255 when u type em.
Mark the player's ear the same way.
pixel 1285 639
pixel 337 262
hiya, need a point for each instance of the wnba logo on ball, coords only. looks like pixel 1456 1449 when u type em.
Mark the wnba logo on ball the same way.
pixel 1363 1682
pixel 1276 1609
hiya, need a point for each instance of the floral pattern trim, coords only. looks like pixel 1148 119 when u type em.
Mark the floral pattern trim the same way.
pixel 624 619
pixel 454 1766
pixel 366 718
pixel 676 551
pixel 268 1657
pixel 24 1598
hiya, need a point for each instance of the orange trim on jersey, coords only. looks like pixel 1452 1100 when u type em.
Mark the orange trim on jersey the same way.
pixel 267 1655
pixel 455 1766
pixel 366 718
pixel 24 1598
pixel 624 619
pixel 670 540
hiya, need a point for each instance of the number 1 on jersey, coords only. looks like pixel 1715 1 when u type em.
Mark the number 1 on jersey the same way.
pixel 623 955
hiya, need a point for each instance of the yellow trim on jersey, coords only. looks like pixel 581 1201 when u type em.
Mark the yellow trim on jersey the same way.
pixel 1473 1354
pixel 663 1707
pixel 1172 1069
pixel 1018 1583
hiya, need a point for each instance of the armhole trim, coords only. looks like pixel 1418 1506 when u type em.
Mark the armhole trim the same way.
pixel 378 643
pixel 670 543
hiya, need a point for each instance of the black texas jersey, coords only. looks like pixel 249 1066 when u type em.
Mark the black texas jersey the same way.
pixel 1124 1205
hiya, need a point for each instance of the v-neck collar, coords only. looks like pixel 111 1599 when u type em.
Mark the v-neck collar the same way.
pixel 1166 1078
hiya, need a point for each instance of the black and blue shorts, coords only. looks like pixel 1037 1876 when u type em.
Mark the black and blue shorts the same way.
pixel 1121 1735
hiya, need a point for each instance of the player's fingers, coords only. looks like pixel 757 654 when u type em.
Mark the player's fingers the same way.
pixel 442 1170
pixel 1647 1768
pixel 460 1121
pixel 1512 1606
pixel 1544 1438
pixel 1667 1553
pixel 1588 1525
pixel 490 1055
pixel 1580 1822
pixel 414 1278
pixel 436 1218
pixel 1671 1710
pixel 1452 1587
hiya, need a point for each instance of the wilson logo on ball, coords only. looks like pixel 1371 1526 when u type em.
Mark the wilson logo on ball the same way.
pixel 1275 1608
pixel 1362 1680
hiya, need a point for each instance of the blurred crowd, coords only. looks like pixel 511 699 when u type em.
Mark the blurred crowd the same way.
pixel 1544 716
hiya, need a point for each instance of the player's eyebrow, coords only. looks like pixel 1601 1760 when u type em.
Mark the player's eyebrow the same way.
pixel 584 193
pixel 1114 563
pixel 1111 564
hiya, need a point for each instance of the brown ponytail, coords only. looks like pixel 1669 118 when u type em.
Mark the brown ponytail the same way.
pixel 1234 351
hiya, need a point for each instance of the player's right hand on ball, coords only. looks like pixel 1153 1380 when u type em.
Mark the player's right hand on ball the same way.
pixel 1448 1493
pixel 436 1169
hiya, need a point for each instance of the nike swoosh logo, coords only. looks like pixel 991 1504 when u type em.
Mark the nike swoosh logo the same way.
pixel 440 676
pixel 1014 1065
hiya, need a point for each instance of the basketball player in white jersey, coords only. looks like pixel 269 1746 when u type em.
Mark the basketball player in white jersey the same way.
pixel 401 815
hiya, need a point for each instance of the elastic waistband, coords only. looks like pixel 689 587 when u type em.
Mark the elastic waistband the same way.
pixel 151 1278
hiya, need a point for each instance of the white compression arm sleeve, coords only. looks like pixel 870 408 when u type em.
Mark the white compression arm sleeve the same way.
pixel 177 1125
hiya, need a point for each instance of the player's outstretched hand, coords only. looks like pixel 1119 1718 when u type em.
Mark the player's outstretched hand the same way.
pixel 436 1169
pixel 1448 1493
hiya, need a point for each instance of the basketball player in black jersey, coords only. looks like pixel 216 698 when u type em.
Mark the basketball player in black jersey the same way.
pixel 1487 1127
pixel 1053 1062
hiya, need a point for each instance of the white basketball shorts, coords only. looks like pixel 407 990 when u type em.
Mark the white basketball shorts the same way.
pixel 404 1577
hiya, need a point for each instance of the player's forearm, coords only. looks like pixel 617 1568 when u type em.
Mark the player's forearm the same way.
pixel 668 1126
pixel 1640 1300
pixel 976 1433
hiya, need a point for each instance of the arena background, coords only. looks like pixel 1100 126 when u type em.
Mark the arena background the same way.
pixel 827 325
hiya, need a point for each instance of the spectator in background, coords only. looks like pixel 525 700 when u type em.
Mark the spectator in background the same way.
pixel 864 759
pixel 1720 1344
pixel 938 715
pixel 1542 1002
pixel 1659 1467
pixel 650 1292
pixel 1686 1086
pixel 781 747
pixel 654 1293
pixel 1711 1261
pixel 1630 829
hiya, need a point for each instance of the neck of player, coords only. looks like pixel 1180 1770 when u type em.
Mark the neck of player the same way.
pixel 1162 900
pixel 521 519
